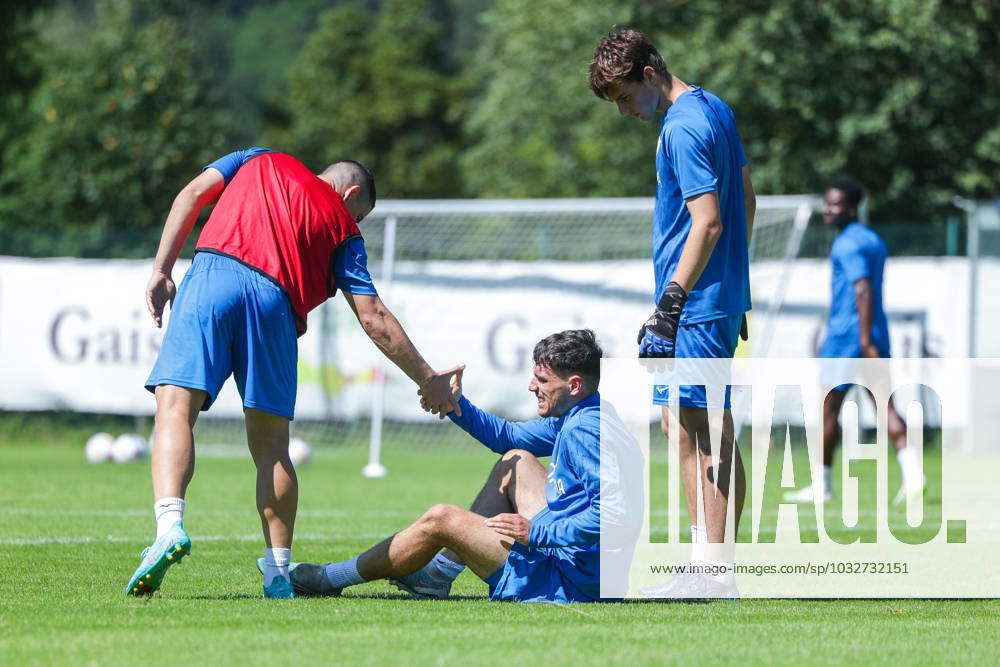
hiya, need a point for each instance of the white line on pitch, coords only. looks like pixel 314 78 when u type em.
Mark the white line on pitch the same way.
pixel 82 539
pixel 316 514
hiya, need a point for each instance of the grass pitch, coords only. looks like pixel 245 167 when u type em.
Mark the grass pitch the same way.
pixel 71 534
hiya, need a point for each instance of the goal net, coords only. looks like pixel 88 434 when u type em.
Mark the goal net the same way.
pixel 479 282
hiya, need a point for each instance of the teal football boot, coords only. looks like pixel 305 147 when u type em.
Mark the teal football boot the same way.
pixel 157 559
pixel 307 580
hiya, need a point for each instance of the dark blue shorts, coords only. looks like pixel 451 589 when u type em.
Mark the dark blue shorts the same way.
pixel 714 339
pixel 228 319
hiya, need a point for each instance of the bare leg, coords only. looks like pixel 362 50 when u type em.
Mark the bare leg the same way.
pixel 516 484
pixel 173 450
pixel 831 424
pixel 449 526
pixel 277 485
pixel 696 460
pixel 897 428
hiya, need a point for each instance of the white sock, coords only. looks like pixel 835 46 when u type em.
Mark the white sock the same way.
pixel 909 466
pixel 443 569
pixel 343 574
pixel 699 542
pixel 828 478
pixel 167 511
pixel 276 564
pixel 723 572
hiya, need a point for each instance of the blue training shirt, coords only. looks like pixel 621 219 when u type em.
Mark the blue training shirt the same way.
pixel 228 165
pixel 350 265
pixel 571 522
pixel 700 150
pixel 858 252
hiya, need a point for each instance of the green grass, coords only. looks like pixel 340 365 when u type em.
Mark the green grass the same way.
pixel 61 602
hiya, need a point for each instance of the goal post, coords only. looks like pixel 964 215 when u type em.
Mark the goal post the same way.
pixel 561 262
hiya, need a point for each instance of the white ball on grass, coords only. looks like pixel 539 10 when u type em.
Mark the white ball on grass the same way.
pixel 98 448
pixel 128 447
pixel 299 452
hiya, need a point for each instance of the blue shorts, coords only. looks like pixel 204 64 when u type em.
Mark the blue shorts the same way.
pixel 228 319
pixel 714 339
pixel 536 574
pixel 839 364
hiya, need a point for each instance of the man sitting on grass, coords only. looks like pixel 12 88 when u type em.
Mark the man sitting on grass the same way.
pixel 531 534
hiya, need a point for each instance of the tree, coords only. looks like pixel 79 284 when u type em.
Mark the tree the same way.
pixel 902 94
pixel 377 86
pixel 536 129
pixel 19 69
pixel 118 124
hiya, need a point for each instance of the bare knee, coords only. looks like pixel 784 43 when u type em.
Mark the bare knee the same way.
pixel 515 456
pixel 178 401
pixel 437 519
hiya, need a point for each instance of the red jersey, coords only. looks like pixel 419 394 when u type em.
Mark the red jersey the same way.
pixel 279 218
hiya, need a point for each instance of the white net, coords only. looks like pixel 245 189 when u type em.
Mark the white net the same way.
pixel 479 282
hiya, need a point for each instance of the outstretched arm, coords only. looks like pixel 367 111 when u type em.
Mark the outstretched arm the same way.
pixel 200 192
pixel 537 436
pixel 388 335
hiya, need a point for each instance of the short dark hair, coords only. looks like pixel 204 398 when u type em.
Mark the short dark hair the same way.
pixel 620 57
pixel 571 352
pixel 851 188
pixel 357 172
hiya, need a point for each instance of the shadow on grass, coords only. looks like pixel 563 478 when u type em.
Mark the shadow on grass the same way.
pixel 226 597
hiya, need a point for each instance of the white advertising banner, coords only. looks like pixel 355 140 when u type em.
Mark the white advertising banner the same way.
pixel 75 334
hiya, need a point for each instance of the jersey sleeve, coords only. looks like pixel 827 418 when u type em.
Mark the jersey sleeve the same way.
pixel 537 436
pixel 228 165
pixel 350 268
pixel 852 260
pixel 581 528
pixel 690 156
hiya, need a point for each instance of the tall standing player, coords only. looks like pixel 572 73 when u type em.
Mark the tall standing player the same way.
pixel 857 328
pixel 280 241
pixel 702 224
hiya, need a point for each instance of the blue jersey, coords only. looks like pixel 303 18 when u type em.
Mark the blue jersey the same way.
pixel 228 165
pixel 700 151
pixel 858 252
pixel 562 559
pixel 350 264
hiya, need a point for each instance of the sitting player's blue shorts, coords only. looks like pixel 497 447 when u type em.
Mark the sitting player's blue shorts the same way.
pixel 535 574
pixel 228 319
pixel 714 339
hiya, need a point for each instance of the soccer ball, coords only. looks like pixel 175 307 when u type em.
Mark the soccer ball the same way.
pixel 128 447
pixel 98 448
pixel 299 452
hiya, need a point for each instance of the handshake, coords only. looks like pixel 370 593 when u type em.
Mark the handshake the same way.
pixel 440 393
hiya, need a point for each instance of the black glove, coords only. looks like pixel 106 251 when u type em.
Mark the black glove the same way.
pixel 658 335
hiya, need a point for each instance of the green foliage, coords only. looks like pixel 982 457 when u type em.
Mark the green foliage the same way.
pixel 902 94
pixel 19 69
pixel 377 86
pixel 536 129
pixel 117 126
pixel 114 104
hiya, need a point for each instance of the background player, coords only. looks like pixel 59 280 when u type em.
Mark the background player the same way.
pixel 541 540
pixel 280 241
pixel 702 222
pixel 857 328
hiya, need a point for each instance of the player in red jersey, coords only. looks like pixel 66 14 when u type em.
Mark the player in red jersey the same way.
pixel 279 242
